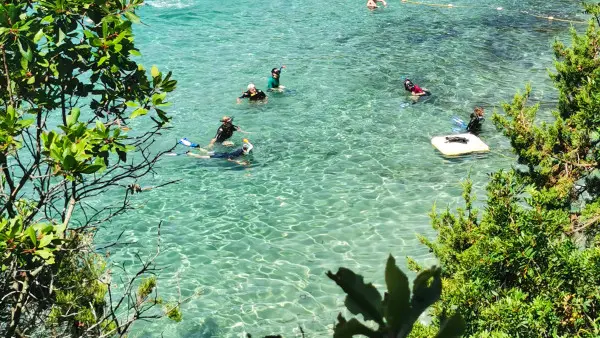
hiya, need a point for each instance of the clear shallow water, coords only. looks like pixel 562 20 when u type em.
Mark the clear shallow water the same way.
pixel 343 172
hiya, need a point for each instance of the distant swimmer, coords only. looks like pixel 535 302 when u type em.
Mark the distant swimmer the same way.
pixel 372 4
pixel 474 126
pixel 273 84
pixel 415 90
pixel 230 156
pixel 224 132
pixel 252 94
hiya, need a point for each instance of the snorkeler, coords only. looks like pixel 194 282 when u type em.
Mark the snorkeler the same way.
pixel 474 126
pixel 415 90
pixel 224 132
pixel 372 4
pixel 252 94
pixel 231 156
pixel 273 84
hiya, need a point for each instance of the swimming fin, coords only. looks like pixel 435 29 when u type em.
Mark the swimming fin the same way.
pixel 184 141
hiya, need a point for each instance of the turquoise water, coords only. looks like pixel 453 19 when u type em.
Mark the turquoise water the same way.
pixel 343 172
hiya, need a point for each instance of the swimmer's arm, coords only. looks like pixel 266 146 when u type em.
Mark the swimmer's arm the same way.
pixel 244 95
pixel 242 131
pixel 212 143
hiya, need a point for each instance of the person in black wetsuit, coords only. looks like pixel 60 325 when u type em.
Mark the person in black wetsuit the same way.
pixel 253 94
pixel 225 131
pixel 474 126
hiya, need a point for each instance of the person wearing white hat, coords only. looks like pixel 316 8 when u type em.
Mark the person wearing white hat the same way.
pixel 252 94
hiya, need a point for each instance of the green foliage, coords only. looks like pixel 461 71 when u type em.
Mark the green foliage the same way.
pixel 68 89
pixel 397 311
pixel 529 265
pixel 146 288
pixel 173 312
pixel 516 273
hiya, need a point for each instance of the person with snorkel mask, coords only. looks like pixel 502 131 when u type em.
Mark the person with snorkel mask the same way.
pixel 231 156
pixel 273 84
pixel 415 90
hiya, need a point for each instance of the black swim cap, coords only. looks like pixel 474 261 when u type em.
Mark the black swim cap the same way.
pixel 275 70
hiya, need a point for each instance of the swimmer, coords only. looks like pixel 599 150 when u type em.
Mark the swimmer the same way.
pixel 273 84
pixel 474 126
pixel 372 4
pixel 415 90
pixel 231 156
pixel 224 132
pixel 252 94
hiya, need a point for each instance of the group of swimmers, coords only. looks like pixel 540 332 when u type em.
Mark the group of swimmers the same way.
pixel 476 118
pixel 227 128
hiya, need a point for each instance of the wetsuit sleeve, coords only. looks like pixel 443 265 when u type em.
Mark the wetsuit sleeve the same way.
pixel 270 83
pixel 236 128
pixel 261 95
pixel 244 95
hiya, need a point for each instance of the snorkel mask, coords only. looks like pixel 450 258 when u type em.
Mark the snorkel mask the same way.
pixel 247 146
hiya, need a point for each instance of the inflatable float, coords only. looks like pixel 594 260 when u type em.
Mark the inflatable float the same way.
pixel 459 144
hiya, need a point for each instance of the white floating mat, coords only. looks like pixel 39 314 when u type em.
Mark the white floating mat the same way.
pixel 473 144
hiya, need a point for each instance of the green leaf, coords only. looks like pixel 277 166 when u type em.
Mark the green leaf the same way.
pixel 135 52
pixel 131 104
pixel 154 71
pixel 24 64
pixel 104 29
pixel 48 19
pixel 361 298
pixel 38 36
pixel 26 123
pixel 32 235
pixel 139 112
pixel 46 255
pixel 351 328
pixel 27 54
pixel 453 327
pixel 88 34
pixel 102 60
pixel 73 117
pixel 90 169
pixel 69 162
pixel 118 47
pixel 31 80
pixel 396 302
pixel 61 36
pixel 45 240
pixel 132 17
pixel 427 289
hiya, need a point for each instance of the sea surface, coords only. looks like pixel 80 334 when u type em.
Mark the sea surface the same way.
pixel 343 172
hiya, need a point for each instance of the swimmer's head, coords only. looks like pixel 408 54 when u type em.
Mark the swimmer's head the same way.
pixel 251 86
pixel 479 111
pixel 247 146
pixel 226 119
pixel 275 71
